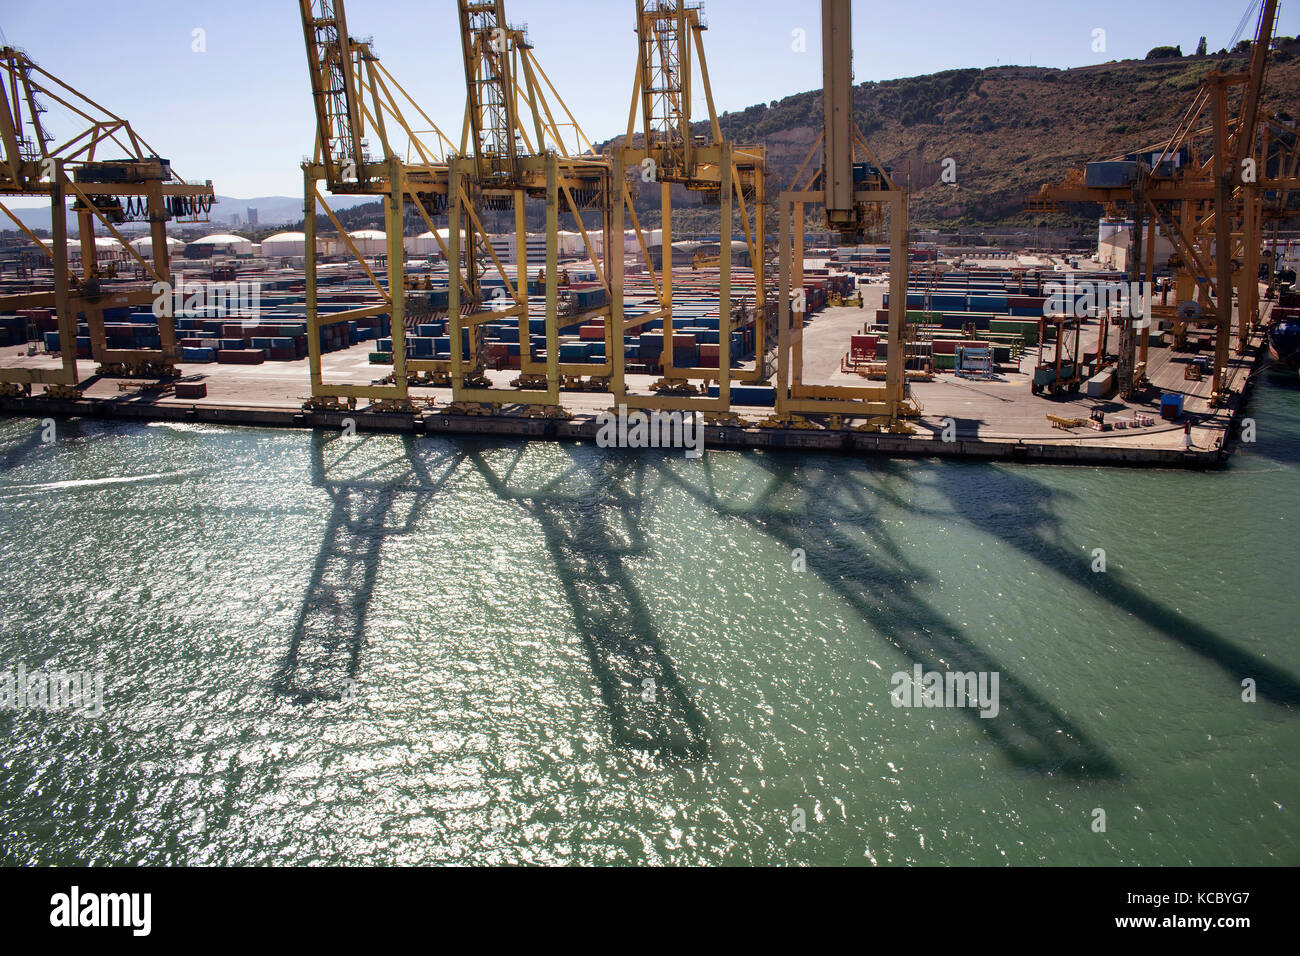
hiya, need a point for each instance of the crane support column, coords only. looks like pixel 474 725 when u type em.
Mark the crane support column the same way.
pixel 1248 293
pixel 1222 236
pixel 1128 325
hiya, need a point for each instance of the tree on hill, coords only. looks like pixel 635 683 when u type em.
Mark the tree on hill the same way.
pixel 1166 53
pixel 1202 47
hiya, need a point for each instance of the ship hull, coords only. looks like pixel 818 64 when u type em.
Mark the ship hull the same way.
pixel 1284 344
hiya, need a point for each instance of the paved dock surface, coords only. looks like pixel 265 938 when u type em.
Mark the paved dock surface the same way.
pixel 998 418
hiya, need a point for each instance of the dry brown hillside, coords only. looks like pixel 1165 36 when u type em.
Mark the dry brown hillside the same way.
pixel 1009 129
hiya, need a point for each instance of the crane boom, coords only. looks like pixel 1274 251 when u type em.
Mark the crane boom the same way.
pixel 837 104
pixel 330 56
pixel 490 87
pixel 1245 139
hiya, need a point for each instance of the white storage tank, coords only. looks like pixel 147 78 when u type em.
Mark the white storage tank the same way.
pixel 222 244
pixel 285 244
pixel 370 242
pixel 144 246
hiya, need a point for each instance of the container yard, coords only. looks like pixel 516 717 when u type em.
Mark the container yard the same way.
pixel 253 368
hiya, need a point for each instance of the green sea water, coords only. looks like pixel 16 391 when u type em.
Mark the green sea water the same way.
pixel 382 650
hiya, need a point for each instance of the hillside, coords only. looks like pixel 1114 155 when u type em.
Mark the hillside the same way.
pixel 1009 129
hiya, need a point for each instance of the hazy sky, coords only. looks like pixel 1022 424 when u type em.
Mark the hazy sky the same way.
pixel 240 113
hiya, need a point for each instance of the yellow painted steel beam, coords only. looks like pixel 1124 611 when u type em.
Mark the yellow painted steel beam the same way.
pixel 40 243
pixel 365 312
pixel 312 176
pixel 394 216
pixel 347 241
pixel 67 374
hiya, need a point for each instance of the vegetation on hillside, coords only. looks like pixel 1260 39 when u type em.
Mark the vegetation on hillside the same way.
pixel 1007 129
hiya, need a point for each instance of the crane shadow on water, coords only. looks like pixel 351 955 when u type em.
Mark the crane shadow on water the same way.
pixel 591 525
pixel 1031 527
pixel 591 515
pixel 837 517
pixel 376 496
pixel 17 452
pixel 592 512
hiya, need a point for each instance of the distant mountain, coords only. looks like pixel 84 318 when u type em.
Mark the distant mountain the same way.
pixel 276 210
pixel 1007 129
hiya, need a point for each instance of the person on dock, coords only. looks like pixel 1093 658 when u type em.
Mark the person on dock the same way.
pixel 1187 437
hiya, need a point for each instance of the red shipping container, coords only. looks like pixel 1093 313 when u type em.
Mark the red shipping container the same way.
pixel 284 355
pixel 589 333
pixel 191 389
pixel 683 341
pixel 863 346
pixel 240 357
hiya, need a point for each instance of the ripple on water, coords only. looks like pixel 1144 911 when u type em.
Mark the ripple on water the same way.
pixel 398 651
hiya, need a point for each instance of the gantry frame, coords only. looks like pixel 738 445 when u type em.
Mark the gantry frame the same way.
pixel 858 198
pixel 514 148
pixel 511 149
pixel 1211 208
pixel 355 96
pixel 670 49
pixel 108 192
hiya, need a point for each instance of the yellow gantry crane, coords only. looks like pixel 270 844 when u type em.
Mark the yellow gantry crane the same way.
pixel 514 149
pixel 1282 163
pixel 112 177
pixel 357 98
pixel 666 153
pixel 1228 168
pixel 858 197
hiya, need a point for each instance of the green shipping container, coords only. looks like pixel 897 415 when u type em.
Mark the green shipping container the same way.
pixel 1027 331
